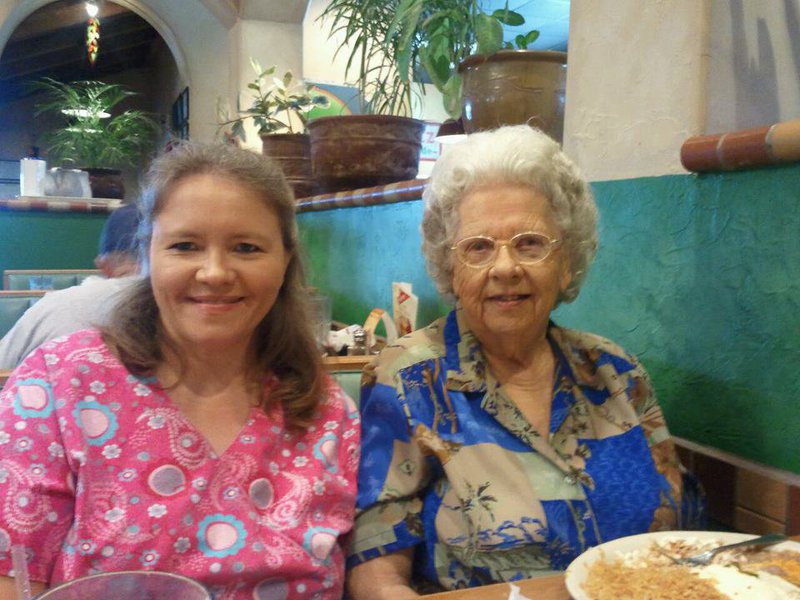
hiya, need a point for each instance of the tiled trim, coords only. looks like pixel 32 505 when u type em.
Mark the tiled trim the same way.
pixel 59 204
pixel 745 149
pixel 401 191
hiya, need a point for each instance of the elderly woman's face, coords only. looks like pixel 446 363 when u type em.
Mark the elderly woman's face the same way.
pixel 507 298
pixel 217 262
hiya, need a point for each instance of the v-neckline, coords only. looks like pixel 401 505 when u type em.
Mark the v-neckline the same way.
pixel 212 451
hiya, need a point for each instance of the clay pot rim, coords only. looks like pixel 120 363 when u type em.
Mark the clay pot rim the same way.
pixel 283 136
pixel 101 170
pixel 514 55
pixel 364 119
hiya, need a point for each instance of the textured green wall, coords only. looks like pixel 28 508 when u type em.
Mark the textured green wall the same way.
pixel 47 240
pixel 698 275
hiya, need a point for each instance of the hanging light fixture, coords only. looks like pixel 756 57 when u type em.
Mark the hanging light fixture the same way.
pixel 92 32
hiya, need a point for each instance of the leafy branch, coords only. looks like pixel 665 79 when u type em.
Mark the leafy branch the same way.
pixel 442 33
pixel 278 104
pixel 374 53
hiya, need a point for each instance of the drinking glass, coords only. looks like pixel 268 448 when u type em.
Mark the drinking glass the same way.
pixel 129 585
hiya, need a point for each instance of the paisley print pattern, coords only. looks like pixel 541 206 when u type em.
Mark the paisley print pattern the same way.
pixel 455 470
pixel 100 471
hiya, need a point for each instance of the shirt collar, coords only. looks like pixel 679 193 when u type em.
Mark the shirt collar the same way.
pixel 466 365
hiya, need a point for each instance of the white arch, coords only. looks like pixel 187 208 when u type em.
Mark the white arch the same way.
pixel 20 12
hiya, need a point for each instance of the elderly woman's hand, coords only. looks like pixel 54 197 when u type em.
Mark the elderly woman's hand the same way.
pixel 384 578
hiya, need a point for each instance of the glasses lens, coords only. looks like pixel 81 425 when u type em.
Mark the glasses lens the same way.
pixel 476 251
pixel 531 247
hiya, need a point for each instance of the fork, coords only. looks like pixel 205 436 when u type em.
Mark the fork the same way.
pixel 704 558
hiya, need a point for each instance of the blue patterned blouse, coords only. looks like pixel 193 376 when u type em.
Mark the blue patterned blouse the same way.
pixel 451 468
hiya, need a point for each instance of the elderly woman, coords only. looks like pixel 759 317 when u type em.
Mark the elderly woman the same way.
pixel 496 444
pixel 197 433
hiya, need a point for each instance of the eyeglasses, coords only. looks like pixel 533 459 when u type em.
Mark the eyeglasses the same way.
pixel 527 248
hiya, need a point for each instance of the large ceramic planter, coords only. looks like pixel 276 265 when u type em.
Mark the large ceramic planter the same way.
pixel 292 153
pixel 106 183
pixel 356 151
pixel 511 87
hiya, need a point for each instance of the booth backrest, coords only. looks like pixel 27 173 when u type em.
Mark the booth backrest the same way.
pixel 45 279
pixel 350 381
pixel 346 370
pixel 13 304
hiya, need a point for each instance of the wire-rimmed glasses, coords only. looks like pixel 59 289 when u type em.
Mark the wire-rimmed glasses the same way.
pixel 527 248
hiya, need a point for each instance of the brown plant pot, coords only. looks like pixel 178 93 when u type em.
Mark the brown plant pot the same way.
pixel 511 87
pixel 292 152
pixel 357 151
pixel 106 183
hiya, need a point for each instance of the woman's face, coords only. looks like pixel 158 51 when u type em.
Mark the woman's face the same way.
pixel 506 298
pixel 217 262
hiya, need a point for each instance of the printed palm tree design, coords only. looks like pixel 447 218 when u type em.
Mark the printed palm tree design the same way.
pixel 478 497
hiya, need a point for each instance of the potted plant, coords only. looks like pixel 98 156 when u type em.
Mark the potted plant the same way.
pixel 383 144
pixel 90 136
pixel 279 111
pixel 484 81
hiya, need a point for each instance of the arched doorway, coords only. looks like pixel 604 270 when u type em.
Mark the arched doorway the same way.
pixel 47 39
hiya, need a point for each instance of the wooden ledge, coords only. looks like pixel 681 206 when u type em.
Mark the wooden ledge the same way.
pixel 401 191
pixel 59 204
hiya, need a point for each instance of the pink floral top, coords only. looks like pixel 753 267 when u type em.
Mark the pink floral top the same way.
pixel 99 471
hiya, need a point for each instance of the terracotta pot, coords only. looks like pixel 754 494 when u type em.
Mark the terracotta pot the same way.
pixel 357 151
pixel 292 152
pixel 511 87
pixel 106 183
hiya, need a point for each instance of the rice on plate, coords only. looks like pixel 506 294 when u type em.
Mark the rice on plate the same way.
pixel 637 568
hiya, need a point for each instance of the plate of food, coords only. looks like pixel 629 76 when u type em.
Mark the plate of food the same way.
pixel 639 567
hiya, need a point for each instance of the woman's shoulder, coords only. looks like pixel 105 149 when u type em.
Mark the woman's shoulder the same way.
pixel 82 351
pixel 585 347
pixel 586 340
pixel 424 344
pixel 70 345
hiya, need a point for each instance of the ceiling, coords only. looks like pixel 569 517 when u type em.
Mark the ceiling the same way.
pixel 51 42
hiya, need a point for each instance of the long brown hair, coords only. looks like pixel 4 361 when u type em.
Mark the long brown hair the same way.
pixel 285 343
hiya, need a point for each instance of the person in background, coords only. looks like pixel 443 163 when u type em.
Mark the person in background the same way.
pixel 498 445
pixel 197 432
pixel 63 311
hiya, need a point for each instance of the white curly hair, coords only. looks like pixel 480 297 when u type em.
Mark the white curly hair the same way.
pixel 516 154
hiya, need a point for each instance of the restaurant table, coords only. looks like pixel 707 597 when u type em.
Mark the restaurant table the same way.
pixel 550 587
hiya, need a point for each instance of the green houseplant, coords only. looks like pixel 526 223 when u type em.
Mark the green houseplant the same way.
pixel 278 105
pixel 89 134
pixel 442 33
pixel 279 111
pixel 383 144
pixel 484 80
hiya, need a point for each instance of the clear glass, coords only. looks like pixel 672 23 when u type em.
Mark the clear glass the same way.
pixel 527 248
pixel 322 317
pixel 129 585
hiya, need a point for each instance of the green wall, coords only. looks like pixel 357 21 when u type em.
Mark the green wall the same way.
pixel 49 240
pixel 697 275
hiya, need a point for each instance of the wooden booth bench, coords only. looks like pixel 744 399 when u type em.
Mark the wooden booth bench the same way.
pixel 744 495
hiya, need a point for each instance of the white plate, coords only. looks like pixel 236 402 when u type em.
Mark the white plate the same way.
pixel 578 568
